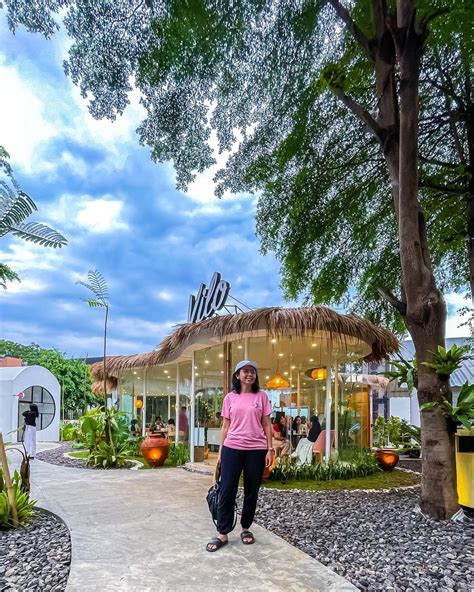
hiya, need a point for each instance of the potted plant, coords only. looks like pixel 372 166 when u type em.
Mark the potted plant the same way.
pixel 386 454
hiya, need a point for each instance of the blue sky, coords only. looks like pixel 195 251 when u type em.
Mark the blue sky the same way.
pixel 121 214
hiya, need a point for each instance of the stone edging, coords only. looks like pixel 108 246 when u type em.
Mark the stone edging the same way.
pixel 136 463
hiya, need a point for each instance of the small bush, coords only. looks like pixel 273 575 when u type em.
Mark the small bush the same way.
pixel 178 454
pixel 24 505
pixel 107 456
pixel 362 464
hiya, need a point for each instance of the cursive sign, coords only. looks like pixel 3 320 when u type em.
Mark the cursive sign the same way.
pixel 208 300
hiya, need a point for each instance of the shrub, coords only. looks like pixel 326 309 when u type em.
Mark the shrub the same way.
pixel 71 432
pixel 134 443
pixel 24 505
pixel 361 465
pixel 107 456
pixel 178 454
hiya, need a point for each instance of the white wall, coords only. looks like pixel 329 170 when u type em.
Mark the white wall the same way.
pixel 9 389
pixel 406 408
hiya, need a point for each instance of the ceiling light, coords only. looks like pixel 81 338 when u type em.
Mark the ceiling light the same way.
pixel 196 374
pixel 314 345
pixel 274 340
pixel 138 377
pixel 166 371
pixel 311 360
pixel 319 374
pixel 285 373
pixel 239 346
pixel 293 367
pixel 281 355
pixel 277 382
pixel 206 361
pixel 135 372
pixel 267 378
pixel 221 355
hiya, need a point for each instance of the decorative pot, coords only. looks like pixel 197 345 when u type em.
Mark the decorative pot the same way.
pixel 155 448
pixel 387 458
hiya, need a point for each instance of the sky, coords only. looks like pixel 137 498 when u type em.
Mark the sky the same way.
pixel 121 214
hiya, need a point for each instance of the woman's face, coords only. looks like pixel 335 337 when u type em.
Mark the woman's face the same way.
pixel 247 375
pixel 298 420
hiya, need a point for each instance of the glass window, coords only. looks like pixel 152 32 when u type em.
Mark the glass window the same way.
pixel 46 406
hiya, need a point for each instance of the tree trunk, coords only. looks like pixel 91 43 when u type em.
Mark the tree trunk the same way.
pixel 425 308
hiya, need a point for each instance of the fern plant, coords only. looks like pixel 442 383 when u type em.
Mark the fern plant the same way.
pixel 405 372
pixel 24 505
pixel 445 362
pixel 462 412
pixel 15 207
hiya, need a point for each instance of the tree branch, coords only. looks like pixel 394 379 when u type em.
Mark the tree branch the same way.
pixel 359 111
pixel 357 33
pixel 435 161
pixel 443 188
pixel 393 300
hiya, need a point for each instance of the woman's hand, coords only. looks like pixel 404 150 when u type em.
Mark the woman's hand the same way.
pixel 269 458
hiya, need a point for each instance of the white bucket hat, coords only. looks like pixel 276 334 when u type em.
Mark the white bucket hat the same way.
pixel 245 363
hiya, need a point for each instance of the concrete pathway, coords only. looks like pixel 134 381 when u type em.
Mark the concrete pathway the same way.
pixel 146 531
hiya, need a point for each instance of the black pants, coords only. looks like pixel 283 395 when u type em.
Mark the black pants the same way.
pixel 233 462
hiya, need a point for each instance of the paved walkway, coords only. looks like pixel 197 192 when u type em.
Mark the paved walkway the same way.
pixel 146 531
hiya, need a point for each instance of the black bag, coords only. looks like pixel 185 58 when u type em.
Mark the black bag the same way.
pixel 212 496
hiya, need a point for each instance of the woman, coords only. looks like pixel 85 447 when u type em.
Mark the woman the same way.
pixel 135 428
pixel 280 443
pixel 304 427
pixel 304 450
pixel 171 428
pixel 29 438
pixel 296 431
pixel 245 445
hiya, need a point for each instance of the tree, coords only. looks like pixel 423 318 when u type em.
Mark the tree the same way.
pixel 300 89
pixel 73 374
pixel 15 207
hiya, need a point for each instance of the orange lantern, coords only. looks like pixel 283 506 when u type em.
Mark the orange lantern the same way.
pixel 277 382
pixel 319 374
pixel 138 403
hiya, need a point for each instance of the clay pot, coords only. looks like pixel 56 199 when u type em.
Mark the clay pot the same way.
pixel 387 459
pixel 155 448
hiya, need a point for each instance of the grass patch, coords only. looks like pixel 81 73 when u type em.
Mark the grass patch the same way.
pixel 168 464
pixel 379 480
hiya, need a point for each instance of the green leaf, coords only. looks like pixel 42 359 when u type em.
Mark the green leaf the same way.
pixel 429 405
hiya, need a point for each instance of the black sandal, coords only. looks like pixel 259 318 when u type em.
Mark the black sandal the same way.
pixel 246 534
pixel 218 543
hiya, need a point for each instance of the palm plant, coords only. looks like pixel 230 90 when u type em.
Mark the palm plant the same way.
pixel 98 286
pixel 15 207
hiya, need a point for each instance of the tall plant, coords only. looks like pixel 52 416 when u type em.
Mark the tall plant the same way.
pixel 98 286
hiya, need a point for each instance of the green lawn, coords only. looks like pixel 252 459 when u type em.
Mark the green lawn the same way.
pixel 379 480
pixel 168 464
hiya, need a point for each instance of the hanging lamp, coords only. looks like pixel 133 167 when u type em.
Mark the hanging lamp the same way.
pixel 319 374
pixel 277 382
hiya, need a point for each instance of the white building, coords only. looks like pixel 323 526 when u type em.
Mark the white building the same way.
pixel 20 386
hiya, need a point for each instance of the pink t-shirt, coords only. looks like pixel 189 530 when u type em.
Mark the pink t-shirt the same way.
pixel 246 412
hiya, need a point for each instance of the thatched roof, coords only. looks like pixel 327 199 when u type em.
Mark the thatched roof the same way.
pixel 299 322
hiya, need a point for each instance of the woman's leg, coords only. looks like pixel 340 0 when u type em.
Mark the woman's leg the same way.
pixel 231 468
pixel 254 465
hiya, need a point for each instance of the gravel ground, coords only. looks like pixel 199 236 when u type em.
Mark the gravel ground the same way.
pixel 35 558
pixel 55 456
pixel 375 539
pixel 413 464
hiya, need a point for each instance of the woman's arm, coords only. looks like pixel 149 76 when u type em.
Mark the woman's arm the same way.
pixel 224 430
pixel 267 428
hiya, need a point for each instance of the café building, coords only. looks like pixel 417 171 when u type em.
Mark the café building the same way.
pixel 309 358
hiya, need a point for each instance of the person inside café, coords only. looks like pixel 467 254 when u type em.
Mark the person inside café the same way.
pixel 183 425
pixel 304 448
pixel 171 428
pixel 280 442
pixel 295 431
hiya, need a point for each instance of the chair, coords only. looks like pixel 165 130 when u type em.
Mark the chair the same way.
pixel 319 447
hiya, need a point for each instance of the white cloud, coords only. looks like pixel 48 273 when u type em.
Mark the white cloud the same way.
pixel 164 295
pixel 101 215
pixel 26 286
pixel 34 112
pixel 96 215
pixel 25 125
